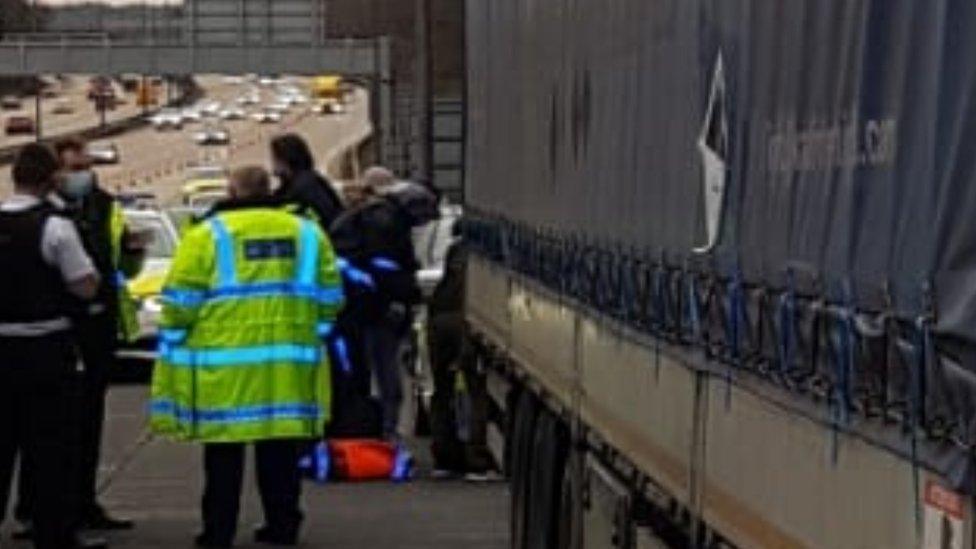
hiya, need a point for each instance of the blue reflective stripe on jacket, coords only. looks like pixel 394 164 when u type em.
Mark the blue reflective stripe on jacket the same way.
pixel 247 414
pixel 221 358
pixel 226 260
pixel 196 298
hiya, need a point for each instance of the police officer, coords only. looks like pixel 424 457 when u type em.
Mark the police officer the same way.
pixel 45 269
pixel 116 254
pixel 251 294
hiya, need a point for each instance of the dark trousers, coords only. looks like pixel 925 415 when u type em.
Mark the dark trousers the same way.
pixel 97 342
pixel 279 482
pixel 381 346
pixel 38 380
pixel 450 356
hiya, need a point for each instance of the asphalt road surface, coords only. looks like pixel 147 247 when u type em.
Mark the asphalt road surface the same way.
pixel 83 115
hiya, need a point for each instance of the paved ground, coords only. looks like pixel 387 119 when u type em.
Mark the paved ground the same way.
pixel 157 483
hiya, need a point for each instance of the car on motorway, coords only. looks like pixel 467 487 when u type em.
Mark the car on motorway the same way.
pixel 136 199
pixel 202 201
pixel 328 106
pixel 103 153
pixel 62 106
pixel 19 125
pixel 211 108
pixel 212 135
pixel 10 103
pixel 147 286
pixel 233 113
pixel 191 115
pixel 267 116
pixel 248 100
pixel 203 179
pixel 167 119
pixel 279 107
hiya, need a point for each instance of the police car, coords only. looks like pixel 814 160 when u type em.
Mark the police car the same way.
pixel 147 286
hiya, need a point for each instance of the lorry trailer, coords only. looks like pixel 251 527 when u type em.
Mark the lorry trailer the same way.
pixel 723 269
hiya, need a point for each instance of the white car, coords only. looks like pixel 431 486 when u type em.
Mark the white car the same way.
pixel 233 80
pixel 103 153
pixel 328 106
pixel 248 100
pixel 210 109
pixel 191 115
pixel 266 116
pixel 168 119
pixel 279 107
pixel 233 113
pixel 212 135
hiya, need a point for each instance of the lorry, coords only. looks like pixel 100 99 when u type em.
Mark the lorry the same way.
pixel 721 269
pixel 147 93
pixel 327 87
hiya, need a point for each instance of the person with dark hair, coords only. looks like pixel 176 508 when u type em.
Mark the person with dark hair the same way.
pixel 116 254
pixel 302 188
pixel 46 272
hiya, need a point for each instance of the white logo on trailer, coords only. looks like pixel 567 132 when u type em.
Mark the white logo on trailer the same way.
pixel 713 145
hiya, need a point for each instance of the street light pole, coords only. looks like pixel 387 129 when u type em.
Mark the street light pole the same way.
pixel 38 133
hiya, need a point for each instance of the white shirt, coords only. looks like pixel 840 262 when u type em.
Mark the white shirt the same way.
pixel 60 243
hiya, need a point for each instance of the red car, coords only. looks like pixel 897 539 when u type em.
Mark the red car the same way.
pixel 19 125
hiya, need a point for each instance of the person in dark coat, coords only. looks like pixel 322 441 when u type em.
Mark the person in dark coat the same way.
pixel 458 418
pixel 375 237
pixel 303 188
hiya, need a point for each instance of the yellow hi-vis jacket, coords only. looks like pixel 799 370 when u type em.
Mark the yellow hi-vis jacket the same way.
pixel 250 296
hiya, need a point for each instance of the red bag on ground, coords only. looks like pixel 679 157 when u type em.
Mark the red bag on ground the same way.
pixel 368 459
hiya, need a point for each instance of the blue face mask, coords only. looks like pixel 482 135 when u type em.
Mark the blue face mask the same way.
pixel 78 184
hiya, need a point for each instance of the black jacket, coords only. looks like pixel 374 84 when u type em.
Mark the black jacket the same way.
pixel 309 190
pixel 379 228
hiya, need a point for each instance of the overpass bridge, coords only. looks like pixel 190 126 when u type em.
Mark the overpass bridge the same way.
pixel 218 37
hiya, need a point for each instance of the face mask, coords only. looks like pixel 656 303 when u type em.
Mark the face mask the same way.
pixel 78 184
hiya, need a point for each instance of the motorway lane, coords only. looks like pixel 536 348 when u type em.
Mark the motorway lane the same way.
pixel 151 147
pixel 164 157
pixel 83 115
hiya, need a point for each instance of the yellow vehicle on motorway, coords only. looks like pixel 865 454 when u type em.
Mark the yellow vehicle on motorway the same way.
pixel 203 180
pixel 327 87
pixel 147 95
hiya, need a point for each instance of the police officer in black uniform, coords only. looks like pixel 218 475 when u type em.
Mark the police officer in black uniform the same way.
pixel 45 270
